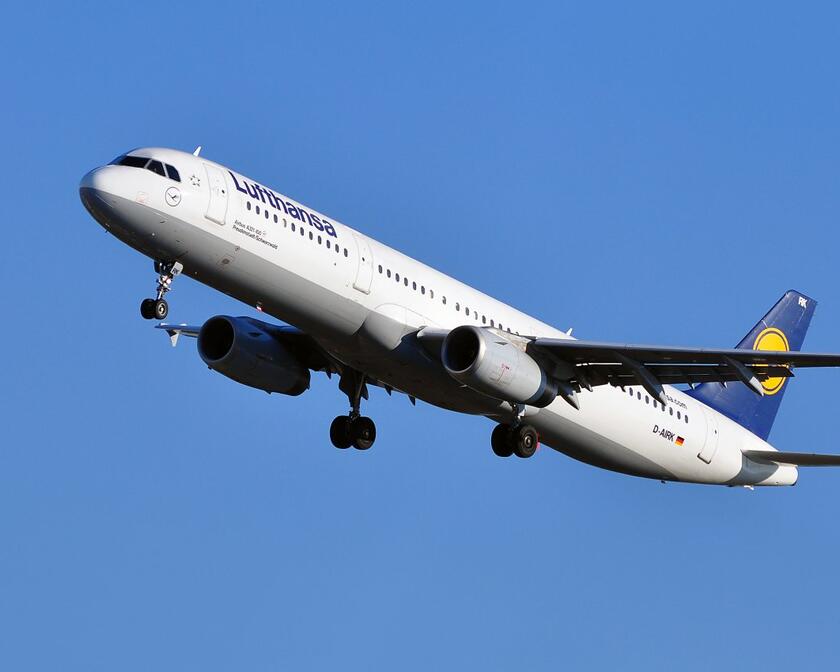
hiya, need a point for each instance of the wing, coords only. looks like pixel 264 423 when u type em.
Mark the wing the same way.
pixel 796 459
pixel 590 363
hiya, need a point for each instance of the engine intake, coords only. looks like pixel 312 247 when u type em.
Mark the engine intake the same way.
pixel 494 366
pixel 243 350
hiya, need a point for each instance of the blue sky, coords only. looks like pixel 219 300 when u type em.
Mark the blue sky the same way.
pixel 644 173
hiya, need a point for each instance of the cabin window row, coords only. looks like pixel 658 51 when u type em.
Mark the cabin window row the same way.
pixel 402 279
pixel 321 240
pixel 648 400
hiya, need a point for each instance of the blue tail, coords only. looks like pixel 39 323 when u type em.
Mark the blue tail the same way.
pixel 783 328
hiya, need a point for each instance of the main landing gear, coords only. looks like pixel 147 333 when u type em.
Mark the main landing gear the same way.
pixel 521 440
pixel 157 308
pixel 354 429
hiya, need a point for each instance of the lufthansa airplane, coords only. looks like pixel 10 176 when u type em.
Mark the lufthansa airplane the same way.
pixel 359 309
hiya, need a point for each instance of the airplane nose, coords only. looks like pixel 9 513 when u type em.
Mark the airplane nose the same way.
pixel 96 195
pixel 88 181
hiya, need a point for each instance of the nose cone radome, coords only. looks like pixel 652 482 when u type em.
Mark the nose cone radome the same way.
pixel 97 190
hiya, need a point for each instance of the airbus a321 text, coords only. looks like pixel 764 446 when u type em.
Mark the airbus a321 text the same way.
pixel 373 316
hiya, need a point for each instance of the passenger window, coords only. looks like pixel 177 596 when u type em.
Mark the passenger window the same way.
pixel 405 281
pixel 388 272
pixel 157 167
pixel 328 247
pixel 172 173
pixel 414 286
pixel 458 306
pixel 639 396
pixel 671 410
pixel 422 289
pixel 345 252
pixel 248 207
pixel 319 240
pixel 266 214
pixel 483 320
pixel 491 323
pixel 257 209
pixel 686 419
pixel 444 300
pixel 380 267
pixel 397 277
pixel 431 293
pixel 678 415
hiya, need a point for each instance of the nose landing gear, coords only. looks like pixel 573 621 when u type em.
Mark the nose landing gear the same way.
pixel 157 308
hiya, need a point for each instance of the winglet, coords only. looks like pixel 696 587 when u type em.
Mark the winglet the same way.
pixel 197 151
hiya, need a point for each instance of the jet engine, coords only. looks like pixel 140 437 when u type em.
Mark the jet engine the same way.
pixel 245 351
pixel 493 365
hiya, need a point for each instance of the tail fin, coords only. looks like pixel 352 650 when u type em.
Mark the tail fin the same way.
pixel 783 328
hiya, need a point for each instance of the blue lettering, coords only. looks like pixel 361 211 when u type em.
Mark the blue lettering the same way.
pixel 258 192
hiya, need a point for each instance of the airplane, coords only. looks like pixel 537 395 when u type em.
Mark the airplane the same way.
pixel 372 316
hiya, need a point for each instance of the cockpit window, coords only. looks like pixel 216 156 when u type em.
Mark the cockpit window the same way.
pixel 149 164
pixel 156 167
pixel 132 161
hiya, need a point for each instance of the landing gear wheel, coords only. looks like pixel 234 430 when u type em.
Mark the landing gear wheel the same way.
pixel 147 309
pixel 525 441
pixel 340 432
pixel 161 309
pixel 363 432
pixel 500 441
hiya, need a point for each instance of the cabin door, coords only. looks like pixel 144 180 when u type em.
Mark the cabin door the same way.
pixel 218 203
pixel 364 271
pixel 711 444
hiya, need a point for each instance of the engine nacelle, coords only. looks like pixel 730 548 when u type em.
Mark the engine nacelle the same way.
pixel 494 366
pixel 243 350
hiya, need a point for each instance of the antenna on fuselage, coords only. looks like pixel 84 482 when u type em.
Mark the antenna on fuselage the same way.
pixel 197 151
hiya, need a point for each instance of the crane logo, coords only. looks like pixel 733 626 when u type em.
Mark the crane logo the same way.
pixel 772 340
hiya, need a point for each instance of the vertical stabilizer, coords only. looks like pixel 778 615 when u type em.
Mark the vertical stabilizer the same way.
pixel 783 328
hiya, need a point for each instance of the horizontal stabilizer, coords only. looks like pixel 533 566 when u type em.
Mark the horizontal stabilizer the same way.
pixel 796 459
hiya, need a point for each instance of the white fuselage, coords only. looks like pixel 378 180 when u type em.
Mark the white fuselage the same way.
pixel 363 302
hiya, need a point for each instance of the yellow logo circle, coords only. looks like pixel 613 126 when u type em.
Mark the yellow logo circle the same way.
pixel 771 339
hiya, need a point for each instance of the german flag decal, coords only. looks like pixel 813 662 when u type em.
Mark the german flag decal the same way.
pixel 679 441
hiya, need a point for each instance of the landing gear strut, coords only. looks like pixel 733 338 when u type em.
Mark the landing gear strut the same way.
pixel 354 429
pixel 157 308
pixel 521 440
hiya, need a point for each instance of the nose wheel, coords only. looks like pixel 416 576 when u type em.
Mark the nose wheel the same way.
pixel 157 308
